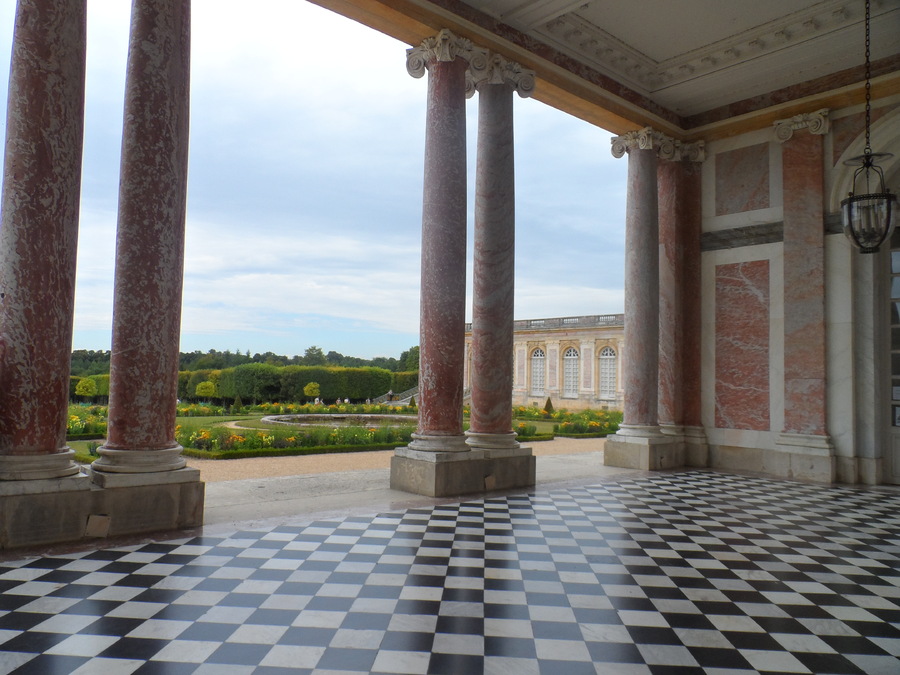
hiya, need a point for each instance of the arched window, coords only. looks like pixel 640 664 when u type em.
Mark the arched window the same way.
pixel 537 371
pixel 607 372
pixel 570 373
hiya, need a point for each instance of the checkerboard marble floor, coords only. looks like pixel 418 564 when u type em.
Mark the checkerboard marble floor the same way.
pixel 694 572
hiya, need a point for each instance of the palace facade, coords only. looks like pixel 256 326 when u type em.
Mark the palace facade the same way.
pixel 574 361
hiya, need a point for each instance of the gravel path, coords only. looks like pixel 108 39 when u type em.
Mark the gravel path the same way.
pixel 213 470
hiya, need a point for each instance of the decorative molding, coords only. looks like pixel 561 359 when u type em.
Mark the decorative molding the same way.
pixel 445 47
pixel 577 36
pixel 754 235
pixel 666 147
pixel 497 69
pixel 816 122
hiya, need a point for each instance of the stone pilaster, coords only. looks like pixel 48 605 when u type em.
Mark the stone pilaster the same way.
pixel 38 240
pixel 805 443
pixel 141 446
pixel 639 442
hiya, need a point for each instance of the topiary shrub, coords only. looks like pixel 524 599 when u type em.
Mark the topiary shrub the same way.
pixel 548 406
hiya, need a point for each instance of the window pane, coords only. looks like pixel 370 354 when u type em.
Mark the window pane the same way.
pixel 895 262
pixel 895 364
pixel 895 313
pixel 895 338
pixel 895 288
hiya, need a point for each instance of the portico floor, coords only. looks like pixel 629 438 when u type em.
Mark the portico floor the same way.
pixel 681 572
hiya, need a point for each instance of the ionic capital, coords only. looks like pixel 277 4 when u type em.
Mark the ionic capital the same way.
pixel 666 147
pixel 445 46
pixel 497 69
pixel 816 122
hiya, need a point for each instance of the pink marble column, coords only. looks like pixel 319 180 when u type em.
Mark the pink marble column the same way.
pixel 641 369
pixel 38 236
pixel 690 217
pixel 150 244
pixel 804 284
pixel 443 288
pixel 494 272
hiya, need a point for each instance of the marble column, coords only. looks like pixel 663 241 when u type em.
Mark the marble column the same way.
pixel 150 251
pixel 494 269
pixel 679 293
pixel 639 442
pixel 805 437
pixel 443 274
pixel 38 237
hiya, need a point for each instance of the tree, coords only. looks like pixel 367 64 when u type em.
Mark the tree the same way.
pixel 86 387
pixel 206 390
pixel 412 359
pixel 314 356
pixel 311 390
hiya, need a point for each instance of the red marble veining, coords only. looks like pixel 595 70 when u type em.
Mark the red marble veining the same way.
pixel 494 269
pixel 671 251
pixel 742 179
pixel 39 233
pixel 640 372
pixel 845 130
pixel 742 345
pixel 804 284
pixel 690 219
pixel 443 295
pixel 150 237
pixel 679 293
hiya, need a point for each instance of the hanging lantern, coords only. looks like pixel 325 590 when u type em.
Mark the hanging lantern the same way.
pixel 867 215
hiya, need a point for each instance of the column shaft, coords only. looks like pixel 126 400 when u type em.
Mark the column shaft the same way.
pixel 150 243
pixel 443 291
pixel 671 280
pixel 641 290
pixel 494 271
pixel 39 235
pixel 804 285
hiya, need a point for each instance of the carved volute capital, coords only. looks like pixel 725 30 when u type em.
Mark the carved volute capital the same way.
pixel 815 122
pixel 666 147
pixel 445 46
pixel 499 70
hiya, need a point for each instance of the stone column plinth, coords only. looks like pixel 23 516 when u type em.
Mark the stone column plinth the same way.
pixel 38 240
pixel 141 446
pixel 804 449
pixel 639 442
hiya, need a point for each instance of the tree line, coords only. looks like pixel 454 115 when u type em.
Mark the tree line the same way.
pixel 86 362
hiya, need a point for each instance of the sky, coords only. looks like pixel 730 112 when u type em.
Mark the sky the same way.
pixel 305 187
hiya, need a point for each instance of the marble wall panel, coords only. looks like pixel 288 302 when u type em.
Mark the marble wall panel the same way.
pixel 742 345
pixel 845 130
pixel 742 179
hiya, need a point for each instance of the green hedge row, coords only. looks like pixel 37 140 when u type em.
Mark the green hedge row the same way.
pixel 258 382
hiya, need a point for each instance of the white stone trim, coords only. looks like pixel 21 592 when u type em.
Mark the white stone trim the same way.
pixel 816 122
pixel 666 147
pixel 445 46
pixel 497 69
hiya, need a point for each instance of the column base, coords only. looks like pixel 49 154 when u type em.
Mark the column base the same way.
pixel 117 461
pixel 38 467
pixel 449 474
pixel 802 457
pixel 43 512
pixel 487 441
pixel 125 480
pixel 696 447
pixel 438 443
pixel 652 452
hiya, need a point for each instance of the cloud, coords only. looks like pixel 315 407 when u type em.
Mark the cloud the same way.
pixel 305 186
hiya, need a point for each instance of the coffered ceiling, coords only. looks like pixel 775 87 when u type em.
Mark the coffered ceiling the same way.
pixel 693 55
pixel 682 66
